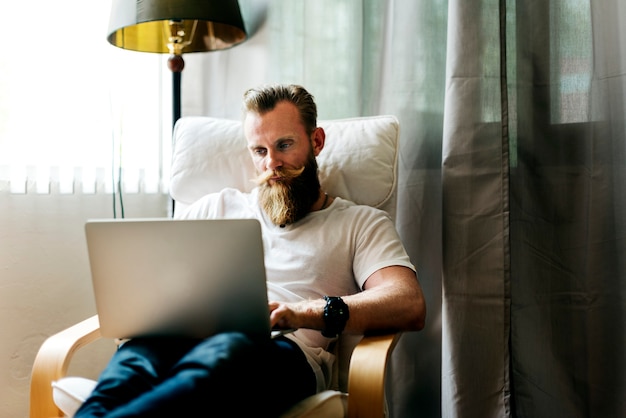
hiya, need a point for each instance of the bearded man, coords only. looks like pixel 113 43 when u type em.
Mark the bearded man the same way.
pixel 322 254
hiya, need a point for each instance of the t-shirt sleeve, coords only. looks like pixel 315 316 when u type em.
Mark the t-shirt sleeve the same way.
pixel 378 246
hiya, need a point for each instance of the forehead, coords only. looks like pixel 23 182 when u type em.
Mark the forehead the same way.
pixel 281 122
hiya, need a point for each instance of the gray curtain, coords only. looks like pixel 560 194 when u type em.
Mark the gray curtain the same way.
pixel 568 211
pixel 512 171
pixel 534 214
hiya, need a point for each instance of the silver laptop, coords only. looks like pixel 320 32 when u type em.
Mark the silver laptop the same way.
pixel 154 277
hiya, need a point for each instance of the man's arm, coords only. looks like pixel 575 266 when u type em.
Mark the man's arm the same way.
pixel 392 300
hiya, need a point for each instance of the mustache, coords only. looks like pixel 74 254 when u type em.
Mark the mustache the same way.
pixel 283 173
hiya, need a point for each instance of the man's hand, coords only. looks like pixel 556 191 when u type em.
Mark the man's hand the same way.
pixel 306 314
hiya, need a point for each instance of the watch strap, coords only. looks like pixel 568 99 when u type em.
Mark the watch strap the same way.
pixel 336 315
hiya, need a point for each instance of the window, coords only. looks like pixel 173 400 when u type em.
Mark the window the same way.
pixel 76 112
pixel 571 60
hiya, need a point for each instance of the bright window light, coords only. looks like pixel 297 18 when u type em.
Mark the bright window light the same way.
pixel 73 108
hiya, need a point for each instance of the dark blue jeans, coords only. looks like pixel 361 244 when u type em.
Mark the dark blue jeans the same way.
pixel 228 375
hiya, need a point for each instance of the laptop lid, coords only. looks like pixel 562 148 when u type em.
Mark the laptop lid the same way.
pixel 177 277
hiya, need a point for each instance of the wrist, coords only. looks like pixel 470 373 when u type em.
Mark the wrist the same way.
pixel 335 316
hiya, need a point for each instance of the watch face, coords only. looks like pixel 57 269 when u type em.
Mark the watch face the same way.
pixel 336 309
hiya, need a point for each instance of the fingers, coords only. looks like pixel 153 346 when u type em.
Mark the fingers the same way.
pixel 273 305
pixel 279 315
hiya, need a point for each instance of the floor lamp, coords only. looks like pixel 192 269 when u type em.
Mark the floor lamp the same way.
pixel 176 27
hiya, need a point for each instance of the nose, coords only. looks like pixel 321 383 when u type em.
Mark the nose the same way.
pixel 273 161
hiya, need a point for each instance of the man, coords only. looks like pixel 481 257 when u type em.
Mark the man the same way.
pixel 332 267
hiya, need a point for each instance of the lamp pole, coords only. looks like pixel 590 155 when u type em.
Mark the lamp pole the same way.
pixel 176 64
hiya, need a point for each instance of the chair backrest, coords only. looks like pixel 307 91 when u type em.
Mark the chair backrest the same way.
pixel 358 163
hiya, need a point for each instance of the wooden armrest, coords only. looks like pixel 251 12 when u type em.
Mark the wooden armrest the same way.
pixel 52 362
pixel 366 378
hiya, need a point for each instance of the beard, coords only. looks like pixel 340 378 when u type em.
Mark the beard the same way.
pixel 290 198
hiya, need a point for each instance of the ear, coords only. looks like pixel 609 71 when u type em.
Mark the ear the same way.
pixel 317 140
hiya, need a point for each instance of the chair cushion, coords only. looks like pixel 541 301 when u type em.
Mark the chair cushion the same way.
pixel 70 392
pixel 358 161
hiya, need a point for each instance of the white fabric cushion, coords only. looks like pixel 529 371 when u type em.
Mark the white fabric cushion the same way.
pixel 358 161
pixel 70 392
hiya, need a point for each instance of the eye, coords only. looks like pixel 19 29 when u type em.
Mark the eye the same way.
pixel 284 145
pixel 259 151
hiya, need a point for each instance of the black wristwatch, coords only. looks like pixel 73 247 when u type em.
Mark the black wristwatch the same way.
pixel 336 315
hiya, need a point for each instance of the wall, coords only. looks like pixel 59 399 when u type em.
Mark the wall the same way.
pixel 44 279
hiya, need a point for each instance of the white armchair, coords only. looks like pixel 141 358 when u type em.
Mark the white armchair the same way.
pixel 357 163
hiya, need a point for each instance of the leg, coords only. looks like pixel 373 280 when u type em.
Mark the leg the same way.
pixel 289 378
pixel 225 367
pixel 137 367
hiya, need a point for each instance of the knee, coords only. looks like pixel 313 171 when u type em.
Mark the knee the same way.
pixel 225 354
pixel 230 338
pixel 232 343
pixel 226 345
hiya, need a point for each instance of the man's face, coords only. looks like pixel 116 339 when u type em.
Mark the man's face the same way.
pixel 284 156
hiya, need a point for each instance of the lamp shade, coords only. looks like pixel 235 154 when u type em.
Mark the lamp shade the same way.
pixel 175 26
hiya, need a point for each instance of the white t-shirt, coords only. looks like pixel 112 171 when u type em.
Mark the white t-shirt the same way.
pixel 329 252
